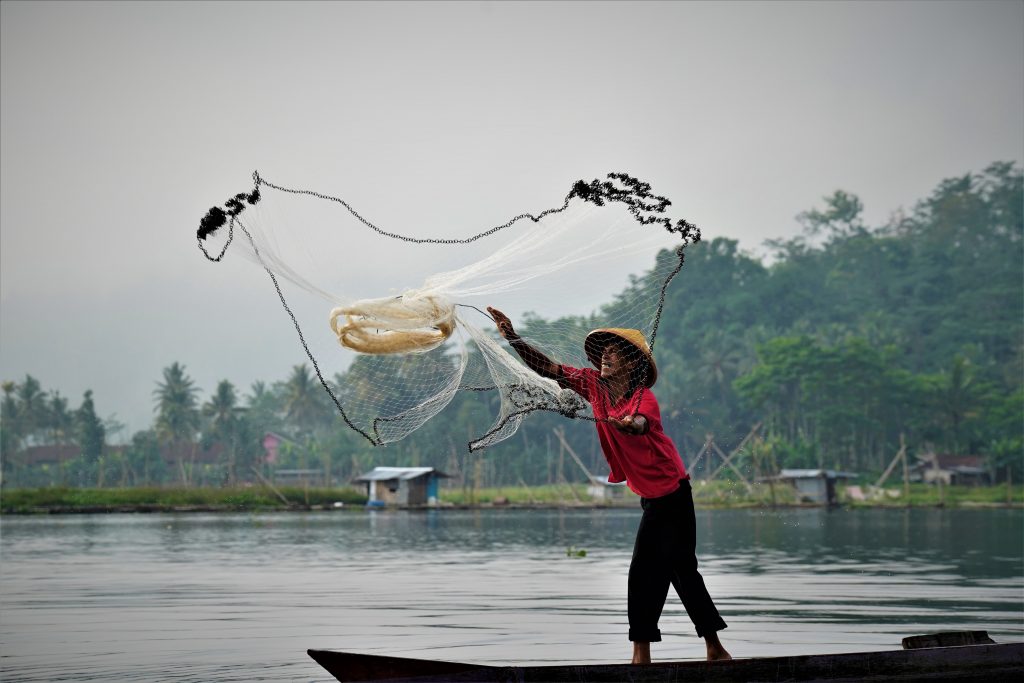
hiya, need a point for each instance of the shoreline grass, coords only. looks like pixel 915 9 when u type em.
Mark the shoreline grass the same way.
pixel 927 495
pixel 707 495
pixel 156 499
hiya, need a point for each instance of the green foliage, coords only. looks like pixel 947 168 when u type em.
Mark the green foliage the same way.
pixel 719 493
pixel 846 338
pixel 168 499
pixel 10 427
pixel 177 420
pixel 840 219
pixel 926 495
pixel 225 423
pixel 726 493
pixel 845 402
pixel 89 430
pixel 304 404
pixel 177 412
pixel 144 459
pixel 547 494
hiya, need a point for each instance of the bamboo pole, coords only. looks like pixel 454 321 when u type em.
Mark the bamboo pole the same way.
pixel 906 471
pixel 707 442
pixel 477 483
pixel 529 493
pixel 560 433
pixel 773 465
pixel 270 486
pixel 750 489
pixel 900 455
pixel 561 462
pixel 571 490
pixel 734 451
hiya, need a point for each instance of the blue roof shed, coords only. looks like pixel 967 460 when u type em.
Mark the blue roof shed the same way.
pixel 402 485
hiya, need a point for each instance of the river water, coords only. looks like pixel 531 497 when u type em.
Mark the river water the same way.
pixel 240 597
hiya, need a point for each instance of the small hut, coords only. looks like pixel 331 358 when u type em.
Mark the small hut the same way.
pixel 932 468
pixel 814 486
pixel 603 491
pixel 402 485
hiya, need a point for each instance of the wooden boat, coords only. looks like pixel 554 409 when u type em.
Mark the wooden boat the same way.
pixel 980 662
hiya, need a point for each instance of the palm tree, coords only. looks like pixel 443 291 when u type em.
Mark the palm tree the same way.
pixel 264 407
pixel 258 392
pixel 114 428
pixel 31 407
pixel 958 400
pixel 62 422
pixel 223 415
pixel 177 420
pixel 303 402
pixel 10 425
pixel 91 435
pixel 720 360
pixel 222 408
pixel 144 453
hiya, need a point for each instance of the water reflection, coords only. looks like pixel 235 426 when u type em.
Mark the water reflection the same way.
pixel 240 597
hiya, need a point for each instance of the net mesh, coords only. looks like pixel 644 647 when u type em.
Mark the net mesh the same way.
pixel 397 321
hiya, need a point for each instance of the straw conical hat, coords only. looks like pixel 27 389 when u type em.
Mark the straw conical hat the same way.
pixel 596 341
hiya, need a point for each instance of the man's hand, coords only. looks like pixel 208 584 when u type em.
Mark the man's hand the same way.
pixel 505 328
pixel 630 424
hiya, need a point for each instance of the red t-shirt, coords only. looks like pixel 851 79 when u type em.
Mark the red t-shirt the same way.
pixel 649 463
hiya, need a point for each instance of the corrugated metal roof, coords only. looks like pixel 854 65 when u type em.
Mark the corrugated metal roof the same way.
pixel 815 474
pixel 964 469
pixel 603 481
pixel 948 461
pixel 388 473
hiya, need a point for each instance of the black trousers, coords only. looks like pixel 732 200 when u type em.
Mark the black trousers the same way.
pixel 666 552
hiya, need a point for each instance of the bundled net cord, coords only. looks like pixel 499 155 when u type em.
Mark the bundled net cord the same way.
pixel 421 320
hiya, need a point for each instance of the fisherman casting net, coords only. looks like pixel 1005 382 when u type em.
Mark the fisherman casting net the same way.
pixel 394 324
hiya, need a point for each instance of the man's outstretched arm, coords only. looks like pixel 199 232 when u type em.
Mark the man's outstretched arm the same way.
pixel 534 359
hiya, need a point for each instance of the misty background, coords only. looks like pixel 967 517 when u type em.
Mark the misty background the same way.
pixel 122 123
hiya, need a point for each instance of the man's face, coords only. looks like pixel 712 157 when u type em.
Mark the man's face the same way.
pixel 615 362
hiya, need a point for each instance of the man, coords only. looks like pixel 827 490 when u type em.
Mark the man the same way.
pixel 640 453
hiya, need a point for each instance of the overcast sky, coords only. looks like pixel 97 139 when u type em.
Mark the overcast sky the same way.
pixel 122 123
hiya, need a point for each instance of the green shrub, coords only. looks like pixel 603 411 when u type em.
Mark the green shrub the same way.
pixel 241 498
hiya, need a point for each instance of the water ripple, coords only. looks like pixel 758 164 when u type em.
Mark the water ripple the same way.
pixel 241 597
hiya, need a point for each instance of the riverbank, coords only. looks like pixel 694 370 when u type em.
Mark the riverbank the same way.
pixel 178 499
pixel 724 494
pixel 714 495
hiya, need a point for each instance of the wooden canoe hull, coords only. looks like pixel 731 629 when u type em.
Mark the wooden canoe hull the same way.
pixel 965 663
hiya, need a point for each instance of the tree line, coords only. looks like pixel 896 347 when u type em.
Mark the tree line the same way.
pixel 842 340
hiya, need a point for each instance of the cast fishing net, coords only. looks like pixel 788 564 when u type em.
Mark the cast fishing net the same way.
pixel 394 323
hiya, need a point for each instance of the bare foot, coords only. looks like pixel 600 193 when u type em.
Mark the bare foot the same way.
pixel 715 650
pixel 718 653
pixel 641 653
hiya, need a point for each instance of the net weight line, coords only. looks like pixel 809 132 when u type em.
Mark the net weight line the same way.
pixel 635 195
